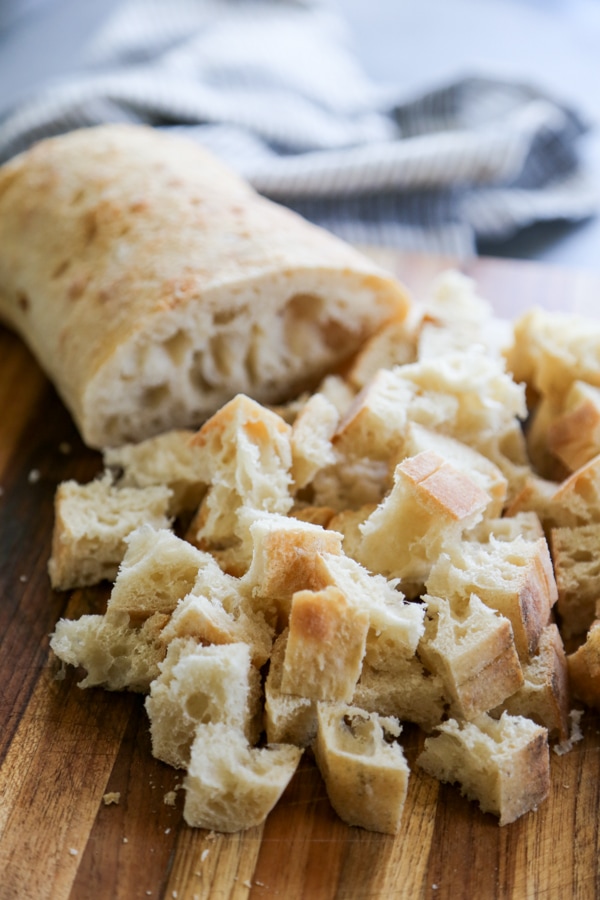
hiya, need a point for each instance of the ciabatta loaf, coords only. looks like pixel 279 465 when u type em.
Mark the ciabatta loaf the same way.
pixel 153 284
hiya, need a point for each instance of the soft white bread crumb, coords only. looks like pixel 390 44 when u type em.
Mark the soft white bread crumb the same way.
pixel 116 653
pixel 326 645
pixel 157 571
pixel 363 766
pixel 289 718
pixel 431 504
pixel 311 439
pixel 245 450
pixel 544 695
pixel 552 350
pixel 472 649
pixel 91 522
pixel 513 577
pixel 503 764
pixel 351 482
pixel 231 786
pixel 201 685
pixel 169 459
pixel 507 528
pixel 403 688
pixel 575 552
pixel 395 344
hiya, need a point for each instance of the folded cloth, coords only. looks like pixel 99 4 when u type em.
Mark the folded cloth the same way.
pixel 272 87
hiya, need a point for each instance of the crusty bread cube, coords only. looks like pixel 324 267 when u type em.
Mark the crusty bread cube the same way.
pixel 117 653
pixel 576 501
pixel 246 452
pixel 326 645
pixel 544 695
pixel 513 577
pixel 573 436
pixel 473 650
pixel 431 504
pixel 543 462
pixel 404 689
pixel 395 626
pixel 552 350
pixel 363 766
pixel 376 420
pixel 217 612
pixel 479 468
pixel 169 459
pixel 91 522
pixel 198 685
pixel 157 571
pixel 284 560
pixel 311 436
pixel 502 763
pixel 231 786
pixel 575 552
pixel 395 344
pixel 289 718
pixel 584 668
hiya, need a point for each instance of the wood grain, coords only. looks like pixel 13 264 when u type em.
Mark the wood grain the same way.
pixel 62 749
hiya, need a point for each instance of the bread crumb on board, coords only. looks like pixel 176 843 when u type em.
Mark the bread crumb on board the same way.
pixel 405 576
pixel 111 798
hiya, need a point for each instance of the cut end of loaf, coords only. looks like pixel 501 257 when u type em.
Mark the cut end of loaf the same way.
pixel 278 340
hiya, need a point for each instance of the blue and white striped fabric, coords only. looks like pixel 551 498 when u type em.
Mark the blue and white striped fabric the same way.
pixel 272 87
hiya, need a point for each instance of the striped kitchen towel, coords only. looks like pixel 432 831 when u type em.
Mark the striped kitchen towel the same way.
pixel 272 87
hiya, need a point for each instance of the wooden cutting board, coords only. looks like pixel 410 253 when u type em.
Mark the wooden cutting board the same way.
pixel 62 749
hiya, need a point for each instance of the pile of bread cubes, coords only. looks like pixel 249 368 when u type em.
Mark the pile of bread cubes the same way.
pixel 416 541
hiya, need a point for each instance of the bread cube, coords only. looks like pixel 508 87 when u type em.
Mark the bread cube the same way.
pixel 503 763
pixel 289 718
pixel 472 649
pixel 364 768
pixel 513 577
pixel 246 453
pixel 231 786
pixel 573 436
pixel 404 689
pixel 431 504
pixel 325 647
pixel 544 695
pixel 169 459
pixel 311 436
pixel 157 571
pixel 584 668
pixel 395 626
pixel 575 552
pixel 284 557
pixel 91 522
pixel 117 653
pixel 200 685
